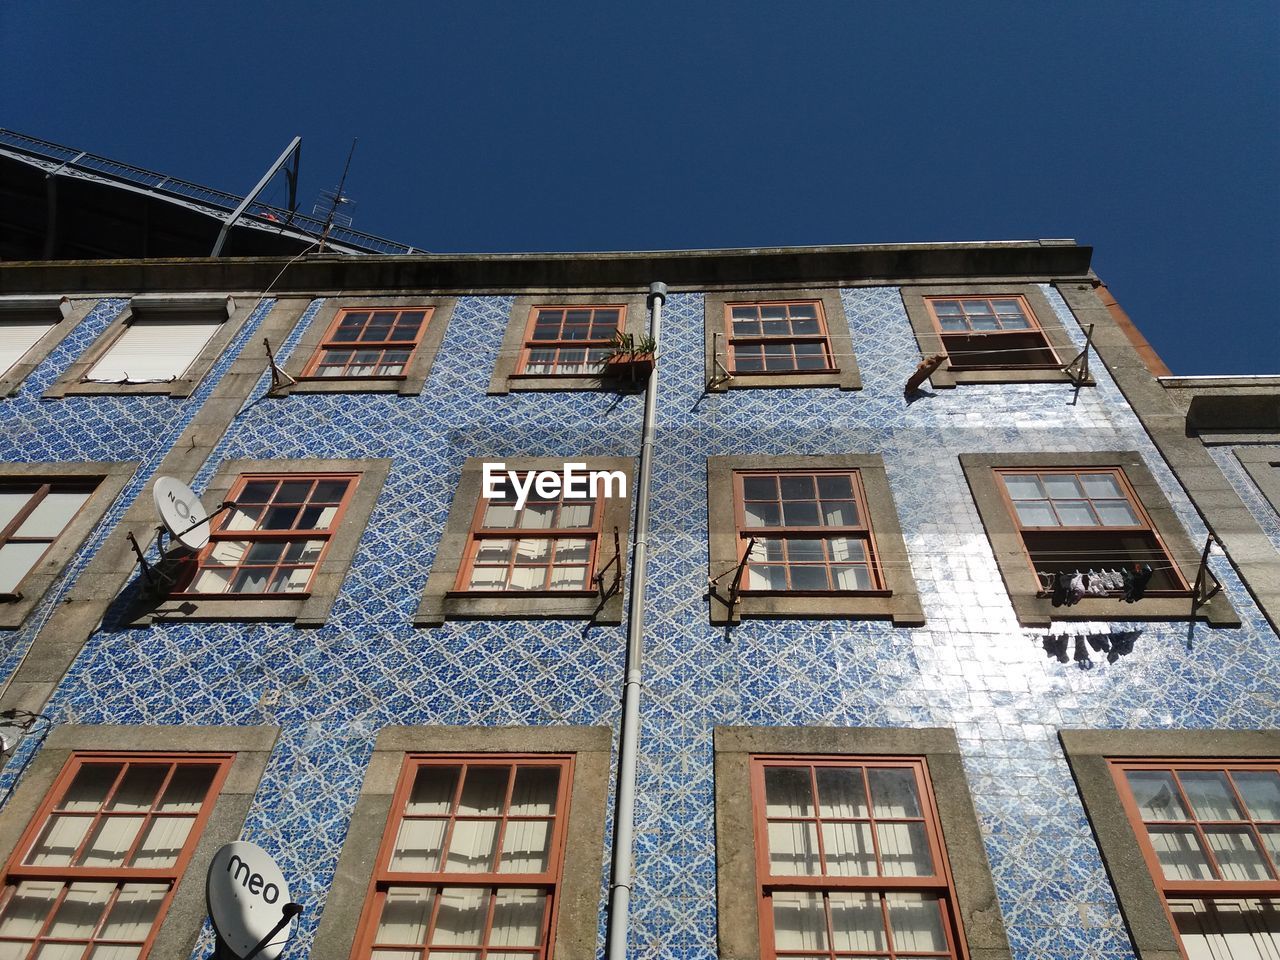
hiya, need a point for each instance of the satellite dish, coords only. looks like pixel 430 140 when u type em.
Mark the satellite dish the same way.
pixel 182 513
pixel 248 900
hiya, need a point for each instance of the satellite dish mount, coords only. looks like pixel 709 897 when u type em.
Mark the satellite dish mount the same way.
pixel 186 522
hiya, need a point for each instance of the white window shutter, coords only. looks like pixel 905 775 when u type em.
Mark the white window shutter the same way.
pixel 151 351
pixel 16 338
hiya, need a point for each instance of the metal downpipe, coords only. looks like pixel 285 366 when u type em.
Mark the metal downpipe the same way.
pixel 628 741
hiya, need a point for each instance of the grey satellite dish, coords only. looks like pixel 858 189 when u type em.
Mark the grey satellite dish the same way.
pixel 249 903
pixel 182 513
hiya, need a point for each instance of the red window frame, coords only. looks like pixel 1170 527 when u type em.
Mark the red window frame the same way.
pixel 594 340
pixel 999 343
pixel 382 346
pixel 939 884
pixel 1064 548
pixel 479 533
pixel 384 877
pixel 39 489
pixel 17 872
pixel 743 343
pixel 222 533
pixel 1201 889
pixel 860 531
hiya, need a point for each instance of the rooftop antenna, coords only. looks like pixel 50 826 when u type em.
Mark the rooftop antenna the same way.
pixel 337 199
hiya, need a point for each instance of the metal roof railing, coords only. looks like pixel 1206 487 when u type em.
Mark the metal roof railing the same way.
pixel 265 216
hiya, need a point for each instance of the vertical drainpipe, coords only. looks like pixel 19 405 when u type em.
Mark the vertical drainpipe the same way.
pixel 628 740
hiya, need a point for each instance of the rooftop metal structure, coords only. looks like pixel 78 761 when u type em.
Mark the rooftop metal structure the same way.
pixel 169 213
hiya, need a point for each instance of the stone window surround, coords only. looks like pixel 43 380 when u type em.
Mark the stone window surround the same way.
pixel 504 379
pixel 62 313
pixel 309 610
pixel 927 336
pixel 1263 466
pixel 70 383
pixel 252 747
pixel 579 889
pixel 441 602
pixel 903 606
pixel 1087 753
pixel 111 478
pixel 737 883
pixel 846 377
pixel 1011 556
pixel 417 370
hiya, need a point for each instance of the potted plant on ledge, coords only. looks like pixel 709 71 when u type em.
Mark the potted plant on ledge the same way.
pixel 629 357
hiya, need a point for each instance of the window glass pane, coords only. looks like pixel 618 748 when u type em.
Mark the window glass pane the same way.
pixel 576 515
pixel 25 912
pixel 1102 485
pixel 915 922
pixel 137 791
pixel 187 789
pixel 534 793
pixel 788 792
pixel 13 499
pixel 460 918
pixel 433 789
pixel 848 848
pixel 526 846
pixel 16 561
pixel 1209 794
pixel 162 843
pixel 797 488
pixel 418 844
pixel 1260 791
pixel 537 516
pixel 501 516
pixel 484 791
pixel 568 578
pixel 837 513
pixel 517 919
pixel 857 922
pixel 1179 853
pixel 835 488
pixel 766 578
pixel 52 514
pixel 1116 513
pixel 904 849
pixel 1237 854
pixel 80 910
pixel 471 847
pixel 134 911
pixel 406 914
pixel 1155 794
pixel 760 488
pixel 761 514
pixel 1023 487
pixel 855 577
pixel 1062 486
pixel 89 789
pixel 110 841
pixel 1035 513
pixel 799 920
pixel 803 513
pixel 1075 513
pixel 1271 840
pixel 847 548
pixel 59 840
pixel 841 792
pixel 1228 929
pixel 893 792
pixel 809 578
pixel 793 849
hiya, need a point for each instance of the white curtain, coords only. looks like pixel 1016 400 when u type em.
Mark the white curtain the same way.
pixel 418 845
pixel 58 842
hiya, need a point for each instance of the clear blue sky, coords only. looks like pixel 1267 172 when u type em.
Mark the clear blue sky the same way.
pixel 1149 130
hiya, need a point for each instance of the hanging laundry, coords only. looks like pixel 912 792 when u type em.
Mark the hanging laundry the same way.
pixel 1096 584
pixel 1061 585
pixel 1137 587
pixel 1075 591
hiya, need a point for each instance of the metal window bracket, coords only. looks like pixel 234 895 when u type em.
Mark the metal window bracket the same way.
pixel 719 372
pixel 616 562
pixel 735 585
pixel 1201 591
pixel 279 379
pixel 1078 369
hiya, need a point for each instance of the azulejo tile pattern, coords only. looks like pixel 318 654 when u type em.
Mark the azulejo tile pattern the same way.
pixel 971 667
pixel 1258 505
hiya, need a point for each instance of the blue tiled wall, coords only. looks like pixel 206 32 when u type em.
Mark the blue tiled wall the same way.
pixel 971 667
pixel 1258 505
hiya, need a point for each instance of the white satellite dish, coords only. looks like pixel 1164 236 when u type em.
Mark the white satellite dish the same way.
pixel 182 513
pixel 248 900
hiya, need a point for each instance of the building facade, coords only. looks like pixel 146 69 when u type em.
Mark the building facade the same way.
pixel 953 671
